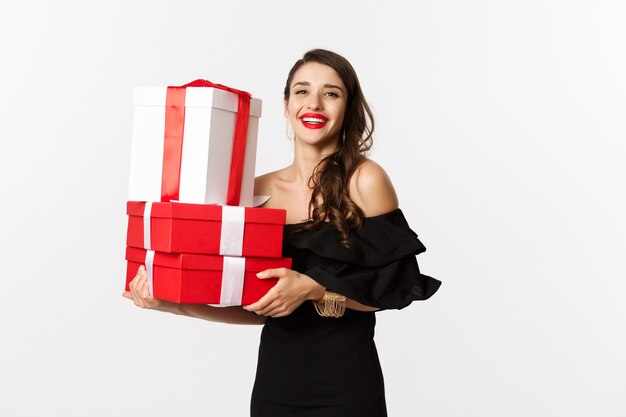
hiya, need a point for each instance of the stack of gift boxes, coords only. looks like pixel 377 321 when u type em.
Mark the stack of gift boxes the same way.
pixel 191 215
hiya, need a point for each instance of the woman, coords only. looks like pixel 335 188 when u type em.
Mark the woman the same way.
pixel 353 253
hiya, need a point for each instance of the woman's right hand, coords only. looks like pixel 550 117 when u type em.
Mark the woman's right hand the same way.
pixel 140 294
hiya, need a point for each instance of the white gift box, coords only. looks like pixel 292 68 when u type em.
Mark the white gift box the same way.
pixel 209 125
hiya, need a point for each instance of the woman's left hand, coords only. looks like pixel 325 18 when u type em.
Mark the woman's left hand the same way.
pixel 291 290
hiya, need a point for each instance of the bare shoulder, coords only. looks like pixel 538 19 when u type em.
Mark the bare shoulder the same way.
pixel 263 183
pixel 372 190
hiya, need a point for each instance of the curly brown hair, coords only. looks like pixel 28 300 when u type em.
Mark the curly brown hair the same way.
pixel 330 199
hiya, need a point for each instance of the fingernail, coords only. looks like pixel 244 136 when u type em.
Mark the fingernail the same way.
pixel 260 275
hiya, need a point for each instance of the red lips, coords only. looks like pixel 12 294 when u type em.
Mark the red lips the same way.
pixel 313 120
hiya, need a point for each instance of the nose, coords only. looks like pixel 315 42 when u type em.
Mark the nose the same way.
pixel 314 102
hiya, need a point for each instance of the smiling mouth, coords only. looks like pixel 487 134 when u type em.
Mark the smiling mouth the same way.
pixel 313 121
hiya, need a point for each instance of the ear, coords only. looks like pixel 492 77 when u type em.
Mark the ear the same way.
pixel 285 110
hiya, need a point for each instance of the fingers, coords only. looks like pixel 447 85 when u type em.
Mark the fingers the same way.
pixel 279 300
pixel 133 286
pixel 272 304
pixel 139 288
pixel 277 308
pixel 281 313
pixel 272 273
pixel 272 308
pixel 272 294
pixel 262 304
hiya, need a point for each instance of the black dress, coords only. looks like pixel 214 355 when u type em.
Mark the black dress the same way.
pixel 327 367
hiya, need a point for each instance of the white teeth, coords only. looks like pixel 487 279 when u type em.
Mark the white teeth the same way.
pixel 312 120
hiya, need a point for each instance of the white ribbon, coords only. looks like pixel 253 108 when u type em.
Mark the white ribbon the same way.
pixel 147 212
pixel 149 264
pixel 231 241
pixel 233 273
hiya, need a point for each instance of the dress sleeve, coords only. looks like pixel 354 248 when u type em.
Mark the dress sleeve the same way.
pixel 379 269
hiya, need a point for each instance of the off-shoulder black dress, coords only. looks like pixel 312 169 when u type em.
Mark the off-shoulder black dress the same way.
pixel 327 367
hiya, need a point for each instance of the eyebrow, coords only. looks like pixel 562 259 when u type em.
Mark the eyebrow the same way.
pixel 306 83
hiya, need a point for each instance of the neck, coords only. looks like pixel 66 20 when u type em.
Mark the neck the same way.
pixel 305 159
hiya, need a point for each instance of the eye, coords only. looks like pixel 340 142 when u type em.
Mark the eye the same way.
pixel 331 94
pixel 300 92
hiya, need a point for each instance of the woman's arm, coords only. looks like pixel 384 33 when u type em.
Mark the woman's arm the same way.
pixel 355 305
pixel 292 289
pixel 233 315
pixel 371 190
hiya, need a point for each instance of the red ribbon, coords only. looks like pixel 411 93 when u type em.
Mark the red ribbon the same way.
pixel 173 140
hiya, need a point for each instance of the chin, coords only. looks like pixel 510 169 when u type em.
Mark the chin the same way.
pixel 319 143
pixel 318 140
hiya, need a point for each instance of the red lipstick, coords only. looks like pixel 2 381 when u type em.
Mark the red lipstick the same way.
pixel 313 120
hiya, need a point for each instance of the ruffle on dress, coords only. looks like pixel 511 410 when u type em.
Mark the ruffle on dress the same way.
pixel 379 269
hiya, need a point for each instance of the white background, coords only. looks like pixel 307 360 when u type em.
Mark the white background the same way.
pixel 501 124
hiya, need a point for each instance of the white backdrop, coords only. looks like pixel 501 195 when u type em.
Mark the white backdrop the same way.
pixel 500 122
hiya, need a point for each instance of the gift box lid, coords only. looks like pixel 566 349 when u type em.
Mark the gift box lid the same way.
pixel 189 261
pixel 196 97
pixel 210 212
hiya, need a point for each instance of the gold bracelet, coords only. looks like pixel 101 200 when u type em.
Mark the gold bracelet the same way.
pixel 331 305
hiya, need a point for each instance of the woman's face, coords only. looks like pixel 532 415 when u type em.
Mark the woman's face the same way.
pixel 317 104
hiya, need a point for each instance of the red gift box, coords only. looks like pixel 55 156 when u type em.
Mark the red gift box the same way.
pixel 197 228
pixel 201 279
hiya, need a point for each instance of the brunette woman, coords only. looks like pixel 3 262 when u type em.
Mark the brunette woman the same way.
pixel 352 249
